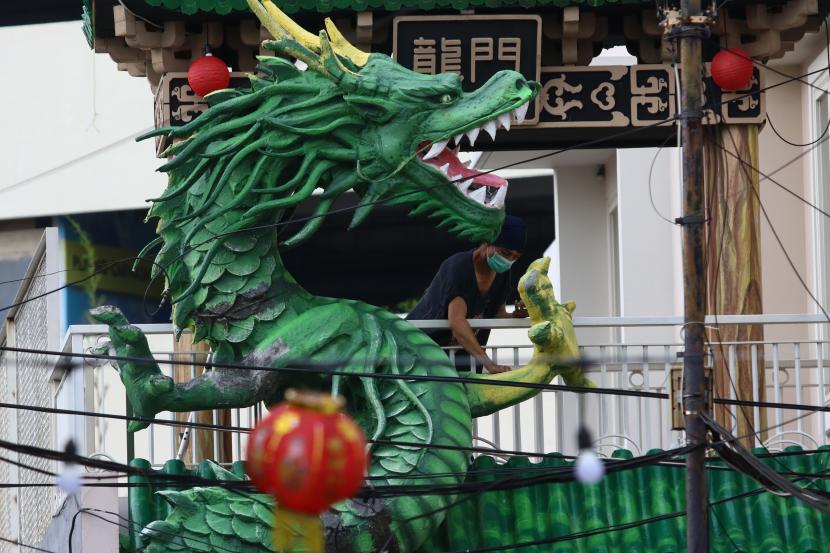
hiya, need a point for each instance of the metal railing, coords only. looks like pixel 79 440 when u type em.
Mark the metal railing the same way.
pixel 795 371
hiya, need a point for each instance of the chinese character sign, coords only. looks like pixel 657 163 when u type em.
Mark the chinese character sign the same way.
pixel 474 46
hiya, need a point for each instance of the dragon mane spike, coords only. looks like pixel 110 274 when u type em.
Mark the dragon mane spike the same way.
pixel 330 60
pixel 343 47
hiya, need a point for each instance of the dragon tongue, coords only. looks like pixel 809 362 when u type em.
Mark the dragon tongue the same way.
pixel 457 171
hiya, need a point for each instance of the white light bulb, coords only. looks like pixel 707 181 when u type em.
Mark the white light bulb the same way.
pixel 69 481
pixel 589 468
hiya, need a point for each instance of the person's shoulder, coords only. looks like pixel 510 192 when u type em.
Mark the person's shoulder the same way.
pixel 457 266
pixel 459 259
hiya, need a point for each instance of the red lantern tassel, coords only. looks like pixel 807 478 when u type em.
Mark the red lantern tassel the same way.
pixel 296 532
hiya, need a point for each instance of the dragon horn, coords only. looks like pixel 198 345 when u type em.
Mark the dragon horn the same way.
pixel 282 26
pixel 343 47
pixel 285 28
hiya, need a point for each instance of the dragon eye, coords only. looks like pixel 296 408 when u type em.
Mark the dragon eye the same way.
pixel 446 99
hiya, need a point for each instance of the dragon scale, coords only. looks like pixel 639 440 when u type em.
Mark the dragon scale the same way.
pixel 351 121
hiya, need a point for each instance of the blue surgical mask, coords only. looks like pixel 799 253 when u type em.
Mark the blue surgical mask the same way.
pixel 499 263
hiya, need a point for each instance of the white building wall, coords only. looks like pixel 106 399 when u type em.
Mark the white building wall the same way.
pixel 584 270
pixel 70 119
pixel 782 291
pixel 650 282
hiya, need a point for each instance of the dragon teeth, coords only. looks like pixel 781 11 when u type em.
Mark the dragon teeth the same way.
pixel 445 169
pixel 457 138
pixel 504 120
pixel 498 199
pixel 472 135
pixel 520 112
pixel 479 195
pixel 464 185
pixel 436 149
pixel 490 128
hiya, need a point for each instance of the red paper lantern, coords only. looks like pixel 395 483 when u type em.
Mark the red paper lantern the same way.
pixel 208 74
pixel 308 455
pixel 732 69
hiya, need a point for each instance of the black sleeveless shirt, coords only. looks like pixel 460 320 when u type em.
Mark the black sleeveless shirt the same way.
pixel 457 278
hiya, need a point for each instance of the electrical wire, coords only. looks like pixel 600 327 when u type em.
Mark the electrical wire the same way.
pixel 546 541
pixel 93 274
pixel 616 527
pixel 23 545
pixel 304 367
pixel 651 181
pixel 556 474
pixel 826 127
pixel 587 144
pixel 130 525
pixel 323 368
pixel 723 527
pixel 778 239
pixel 766 176
pixel 352 208
pixel 767 67
pixel 747 416
pixel 737 456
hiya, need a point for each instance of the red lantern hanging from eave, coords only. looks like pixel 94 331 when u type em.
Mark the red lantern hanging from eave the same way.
pixel 208 74
pixel 732 69
pixel 308 455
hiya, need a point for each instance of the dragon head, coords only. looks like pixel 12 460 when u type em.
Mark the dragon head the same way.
pixel 412 126
pixel 350 121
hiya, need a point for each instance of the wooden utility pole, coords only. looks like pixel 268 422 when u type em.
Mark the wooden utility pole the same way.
pixel 690 32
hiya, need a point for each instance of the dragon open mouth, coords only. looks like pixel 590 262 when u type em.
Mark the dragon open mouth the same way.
pixel 486 189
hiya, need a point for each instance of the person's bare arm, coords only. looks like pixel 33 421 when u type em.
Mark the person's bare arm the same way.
pixel 466 338
pixel 519 311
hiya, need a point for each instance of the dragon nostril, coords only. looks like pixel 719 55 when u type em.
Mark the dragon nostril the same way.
pixel 521 83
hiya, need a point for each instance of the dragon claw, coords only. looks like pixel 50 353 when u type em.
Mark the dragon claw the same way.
pixel 146 386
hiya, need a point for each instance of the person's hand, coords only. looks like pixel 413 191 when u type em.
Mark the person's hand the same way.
pixel 493 368
pixel 519 309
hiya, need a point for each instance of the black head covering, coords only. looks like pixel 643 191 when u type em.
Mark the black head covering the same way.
pixel 513 234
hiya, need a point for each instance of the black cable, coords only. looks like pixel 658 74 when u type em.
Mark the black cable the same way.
pixel 84 279
pixel 826 127
pixel 196 540
pixel 775 182
pixel 761 65
pixel 587 144
pixel 567 537
pixel 748 417
pixel 326 368
pixel 651 181
pixel 555 474
pixel 23 545
pixel 243 430
pixel 131 525
pixel 778 239
pixel 616 527
pixel 723 527
pixel 737 456
pixel 27 467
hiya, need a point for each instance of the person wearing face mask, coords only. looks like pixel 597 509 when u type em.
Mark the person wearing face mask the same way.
pixel 470 285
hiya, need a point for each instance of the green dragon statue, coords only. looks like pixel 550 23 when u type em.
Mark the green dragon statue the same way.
pixel 351 120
